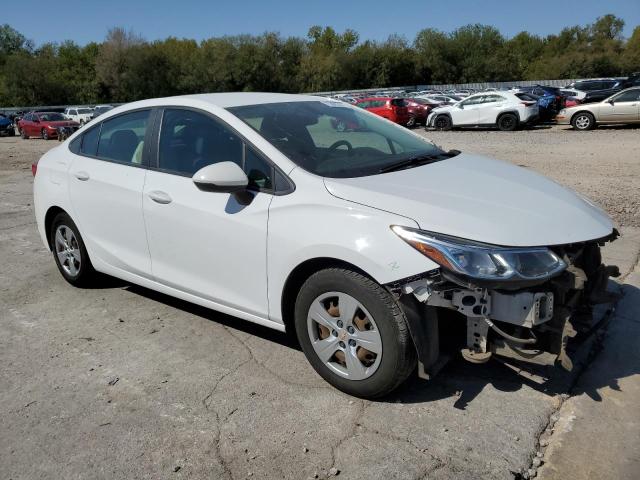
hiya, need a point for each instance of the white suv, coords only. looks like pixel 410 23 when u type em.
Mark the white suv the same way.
pixel 505 110
pixel 81 115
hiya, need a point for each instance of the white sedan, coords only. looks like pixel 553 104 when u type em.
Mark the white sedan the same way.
pixel 505 110
pixel 364 240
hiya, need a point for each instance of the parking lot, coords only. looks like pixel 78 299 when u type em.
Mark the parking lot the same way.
pixel 122 382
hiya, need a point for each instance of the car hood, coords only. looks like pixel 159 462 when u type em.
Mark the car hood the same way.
pixel 478 198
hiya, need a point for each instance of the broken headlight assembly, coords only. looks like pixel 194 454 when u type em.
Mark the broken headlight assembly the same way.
pixel 481 261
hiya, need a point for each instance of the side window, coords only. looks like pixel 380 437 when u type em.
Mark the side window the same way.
pixel 122 137
pixel 190 140
pixel 629 96
pixel 258 170
pixel 89 145
pixel 73 112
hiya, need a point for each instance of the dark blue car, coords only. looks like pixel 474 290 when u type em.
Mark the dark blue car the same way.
pixel 6 126
pixel 550 100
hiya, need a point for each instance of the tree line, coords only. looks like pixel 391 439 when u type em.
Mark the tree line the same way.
pixel 125 67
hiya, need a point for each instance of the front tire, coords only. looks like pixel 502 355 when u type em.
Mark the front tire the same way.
pixel 583 121
pixel 70 253
pixel 442 122
pixel 44 134
pixel 24 135
pixel 354 333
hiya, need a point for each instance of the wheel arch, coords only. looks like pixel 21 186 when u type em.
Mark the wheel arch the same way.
pixel 52 212
pixel 299 275
pixel 512 112
pixel 582 111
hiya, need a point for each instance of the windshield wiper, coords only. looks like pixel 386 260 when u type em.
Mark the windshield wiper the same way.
pixel 418 160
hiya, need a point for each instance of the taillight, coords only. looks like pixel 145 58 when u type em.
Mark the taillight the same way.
pixel 34 168
pixel 528 104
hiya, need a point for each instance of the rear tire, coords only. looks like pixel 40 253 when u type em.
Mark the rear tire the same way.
pixel 24 135
pixel 370 317
pixel 508 122
pixel 442 122
pixel 70 253
pixel 583 121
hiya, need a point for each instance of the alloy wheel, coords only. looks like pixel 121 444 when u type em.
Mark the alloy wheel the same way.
pixel 67 250
pixel 583 122
pixel 344 335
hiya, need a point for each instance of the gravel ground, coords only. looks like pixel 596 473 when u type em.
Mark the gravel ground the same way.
pixel 121 382
pixel 603 164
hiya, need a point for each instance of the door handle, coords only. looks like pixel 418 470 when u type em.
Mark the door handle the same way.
pixel 84 176
pixel 160 197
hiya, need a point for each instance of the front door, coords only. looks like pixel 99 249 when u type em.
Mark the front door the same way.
pixel 208 244
pixel 624 107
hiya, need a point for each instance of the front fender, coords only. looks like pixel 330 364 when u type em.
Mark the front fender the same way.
pixel 311 223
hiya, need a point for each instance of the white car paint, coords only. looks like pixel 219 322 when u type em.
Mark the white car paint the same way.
pixel 484 109
pixel 194 249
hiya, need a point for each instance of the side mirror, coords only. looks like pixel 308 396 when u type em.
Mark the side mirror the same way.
pixel 611 101
pixel 36 120
pixel 460 106
pixel 225 177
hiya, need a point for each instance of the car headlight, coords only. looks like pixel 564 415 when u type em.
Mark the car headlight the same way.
pixel 483 262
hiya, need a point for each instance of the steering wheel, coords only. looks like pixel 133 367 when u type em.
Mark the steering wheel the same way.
pixel 339 144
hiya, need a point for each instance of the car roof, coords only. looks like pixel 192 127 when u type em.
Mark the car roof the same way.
pixel 236 99
pixel 376 98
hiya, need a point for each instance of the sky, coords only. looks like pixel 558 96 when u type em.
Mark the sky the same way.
pixel 84 21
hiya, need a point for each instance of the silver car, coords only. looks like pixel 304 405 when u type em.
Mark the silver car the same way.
pixel 623 107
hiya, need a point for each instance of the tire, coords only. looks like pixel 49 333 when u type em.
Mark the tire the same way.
pixel 583 121
pixel 442 122
pixel 82 274
pixel 24 135
pixel 507 122
pixel 44 134
pixel 12 132
pixel 376 374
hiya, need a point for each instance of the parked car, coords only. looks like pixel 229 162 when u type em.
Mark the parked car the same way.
pixel 547 94
pixel 45 125
pixel 81 115
pixel 505 110
pixel 394 109
pixel 100 109
pixel 623 107
pixel 448 99
pixel 597 89
pixel 419 109
pixel 6 126
pixel 547 109
pixel 251 204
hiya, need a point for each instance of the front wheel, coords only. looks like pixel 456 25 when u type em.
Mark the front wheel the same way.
pixel 442 122
pixel 44 134
pixel 354 333
pixel 583 121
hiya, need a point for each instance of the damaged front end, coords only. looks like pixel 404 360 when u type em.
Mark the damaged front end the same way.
pixel 524 303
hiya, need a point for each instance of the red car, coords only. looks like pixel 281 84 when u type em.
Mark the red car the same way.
pixel 45 125
pixel 394 109
pixel 419 109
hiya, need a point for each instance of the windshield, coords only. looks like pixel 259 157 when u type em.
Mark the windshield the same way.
pixel 51 117
pixel 332 139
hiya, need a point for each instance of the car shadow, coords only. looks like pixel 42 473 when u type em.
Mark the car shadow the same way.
pixel 458 379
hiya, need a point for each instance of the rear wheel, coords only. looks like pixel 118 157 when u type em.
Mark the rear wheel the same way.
pixel 508 122
pixel 442 122
pixel 353 333
pixel 23 134
pixel 70 253
pixel 583 121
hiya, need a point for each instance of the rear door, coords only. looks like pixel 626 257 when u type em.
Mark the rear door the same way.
pixel 488 110
pixel 105 185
